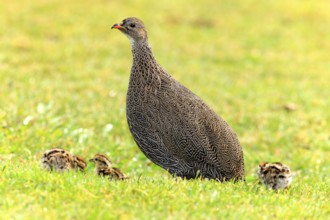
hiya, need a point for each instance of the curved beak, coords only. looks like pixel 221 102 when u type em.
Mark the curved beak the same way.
pixel 116 26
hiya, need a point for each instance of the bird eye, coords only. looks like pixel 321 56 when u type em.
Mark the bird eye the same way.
pixel 132 25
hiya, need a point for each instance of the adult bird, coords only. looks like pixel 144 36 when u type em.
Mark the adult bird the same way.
pixel 171 125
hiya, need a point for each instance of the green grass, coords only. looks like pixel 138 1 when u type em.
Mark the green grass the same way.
pixel 63 81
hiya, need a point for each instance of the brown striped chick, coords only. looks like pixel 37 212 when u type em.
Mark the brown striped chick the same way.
pixel 61 160
pixel 57 159
pixel 103 167
pixel 274 175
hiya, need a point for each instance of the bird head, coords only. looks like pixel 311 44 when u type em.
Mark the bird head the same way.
pixel 263 167
pixel 134 29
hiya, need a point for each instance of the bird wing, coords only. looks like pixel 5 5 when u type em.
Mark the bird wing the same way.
pixel 193 132
pixel 209 139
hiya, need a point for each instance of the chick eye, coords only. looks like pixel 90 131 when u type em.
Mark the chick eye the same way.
pixel 132 25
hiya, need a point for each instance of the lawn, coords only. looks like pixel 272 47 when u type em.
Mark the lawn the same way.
pixel 264 66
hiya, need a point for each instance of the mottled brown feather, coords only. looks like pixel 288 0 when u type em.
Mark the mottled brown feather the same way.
pixel 274 175
pixel 59 160
pixel 103 167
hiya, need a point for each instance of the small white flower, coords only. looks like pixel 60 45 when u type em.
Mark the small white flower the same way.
pixel 112 93
pixel 27 120
pixel 42 108
pixel 107 128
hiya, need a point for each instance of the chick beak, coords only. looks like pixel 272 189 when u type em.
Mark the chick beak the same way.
pixel 116 26
pixel 92 160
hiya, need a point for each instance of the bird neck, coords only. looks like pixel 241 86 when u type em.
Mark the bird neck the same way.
pixel 142 54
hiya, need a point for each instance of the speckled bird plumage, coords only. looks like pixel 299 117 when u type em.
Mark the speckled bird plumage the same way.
pixel 171 125
pixel 58 159
pixel 274 175
pixel 103 167
pixel 79 163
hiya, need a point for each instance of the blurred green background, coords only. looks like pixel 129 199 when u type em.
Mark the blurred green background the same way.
pixel 262 65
